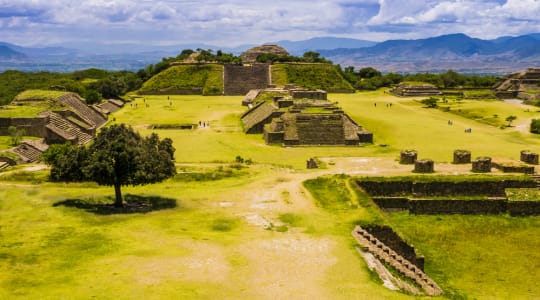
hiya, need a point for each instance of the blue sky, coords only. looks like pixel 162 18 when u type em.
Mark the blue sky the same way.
pixel 230 23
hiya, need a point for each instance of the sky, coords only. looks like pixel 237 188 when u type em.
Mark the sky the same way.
pixel 230 23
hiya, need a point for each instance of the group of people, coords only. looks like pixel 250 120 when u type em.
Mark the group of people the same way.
pixel 387 104
pixel 204 124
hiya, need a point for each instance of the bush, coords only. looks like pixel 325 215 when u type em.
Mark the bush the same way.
pixel 535 126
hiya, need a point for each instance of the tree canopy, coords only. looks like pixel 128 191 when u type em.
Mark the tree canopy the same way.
pixel 119 156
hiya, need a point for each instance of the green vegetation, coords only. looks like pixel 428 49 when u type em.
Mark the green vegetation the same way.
pixel 476 257
pixel 535 126
pixel 523 194
pixel 91 83
pixel 208 77
pixel 117 157
pixel 314 76
pixel 369 78
pixel 204 234
pixel 39 95
pixel 30 103
pixel 491 112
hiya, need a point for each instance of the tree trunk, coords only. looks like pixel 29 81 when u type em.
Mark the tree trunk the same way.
pixel 118 196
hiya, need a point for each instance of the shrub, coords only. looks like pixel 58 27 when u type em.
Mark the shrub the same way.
pixel 535 126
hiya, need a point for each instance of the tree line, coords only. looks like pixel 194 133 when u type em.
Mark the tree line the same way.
pixel 369 78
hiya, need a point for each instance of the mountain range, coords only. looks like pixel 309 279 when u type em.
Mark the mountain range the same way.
pixel 436 54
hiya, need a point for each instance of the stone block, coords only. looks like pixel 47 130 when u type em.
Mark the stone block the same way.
pixel 408 157
pixel 462 156
pixel 529 157
pixel 424 166
pixel 481 165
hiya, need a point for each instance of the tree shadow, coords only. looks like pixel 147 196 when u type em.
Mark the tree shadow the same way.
pixel 133 204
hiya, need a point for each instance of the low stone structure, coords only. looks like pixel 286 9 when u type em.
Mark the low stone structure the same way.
pixel 405 89
pixel 481 165
pixel 312 164
pixel 390 257
pixel 70 120
pixel 519 85
pixel 250 56
pixel 510 166
pixel 424 166
pixel 462 156
pixel 408 157
pixel 294 122
pixel 529 157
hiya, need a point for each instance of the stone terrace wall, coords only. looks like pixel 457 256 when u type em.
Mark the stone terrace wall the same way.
pixel 239 80
pixel 456 206
pixel 32 126
pixel 493 188
pixel 524 208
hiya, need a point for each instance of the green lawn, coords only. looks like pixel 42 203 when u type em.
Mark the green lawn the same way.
pixel 256 232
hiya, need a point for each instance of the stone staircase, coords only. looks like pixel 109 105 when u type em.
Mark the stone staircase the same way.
pixel 390 257
pixel 66 129
pixel 3 165
pixel 239 80
pixel 82 110
pixel 28 152
pixel 536 178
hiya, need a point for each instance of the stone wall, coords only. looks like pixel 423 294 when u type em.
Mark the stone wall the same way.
pixel 457 206
pixel 392 203
pixel 32 126
pixel 524 208
pixel 239 79
pixel 494 188
pixel 391 239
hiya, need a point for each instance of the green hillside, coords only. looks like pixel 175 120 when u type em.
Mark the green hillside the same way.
pixel 31 102
pixel 311 76
pixel 209 77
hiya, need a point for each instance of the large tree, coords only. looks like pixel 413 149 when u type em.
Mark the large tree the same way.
pixel 119 156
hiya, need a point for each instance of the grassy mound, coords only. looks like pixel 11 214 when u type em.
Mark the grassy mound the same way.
pixel 185 77
pixel 31 102
pixel 313 76
pixel 39 95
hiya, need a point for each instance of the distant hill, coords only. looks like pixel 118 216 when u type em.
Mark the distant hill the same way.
pixel 454 51
pixel 8 54
pixel 322 43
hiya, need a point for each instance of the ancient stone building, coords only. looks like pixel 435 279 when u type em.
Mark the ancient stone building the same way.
pixel 306 121
pixel 519 85
pixel 67 119
pixel 250 56
pixel 405 89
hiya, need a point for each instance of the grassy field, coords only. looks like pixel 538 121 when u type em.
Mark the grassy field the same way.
pixel 219 230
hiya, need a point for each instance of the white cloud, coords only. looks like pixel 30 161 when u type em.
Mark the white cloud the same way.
pixel 233 22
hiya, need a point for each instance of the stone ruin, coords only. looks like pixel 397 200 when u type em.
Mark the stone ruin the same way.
pixel 408 157
pixel 462 156
pixel 405 89
pixel 250 56
pixel 515 85
pixel 424 166
pixel 312 164
pixel 529 157
pixel 481 165
pixel 70 120
pixel 291 122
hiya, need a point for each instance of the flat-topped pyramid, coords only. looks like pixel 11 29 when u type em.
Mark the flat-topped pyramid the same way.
pixel 524 84
pixel 251 55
